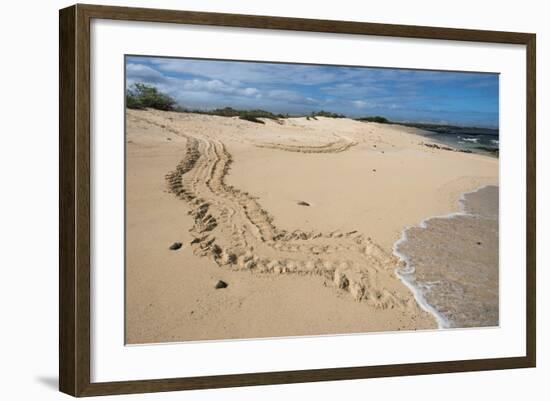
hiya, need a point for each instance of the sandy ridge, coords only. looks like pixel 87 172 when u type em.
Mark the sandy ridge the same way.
pixel 340 145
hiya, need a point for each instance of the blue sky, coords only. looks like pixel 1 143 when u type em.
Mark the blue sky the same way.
pixel 469 99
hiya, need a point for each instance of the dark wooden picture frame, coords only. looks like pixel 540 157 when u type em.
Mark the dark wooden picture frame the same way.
pixel 74 202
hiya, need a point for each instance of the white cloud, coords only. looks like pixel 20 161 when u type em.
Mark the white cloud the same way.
pixel 185 89
pixel 289 96
pixel 140 72
pixel 252 72
pixel 361 104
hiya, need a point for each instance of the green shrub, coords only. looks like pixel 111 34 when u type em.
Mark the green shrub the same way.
pixel 141 96
pixel 249 115
pixel 323 113
pixel 375 119
pixel 132 102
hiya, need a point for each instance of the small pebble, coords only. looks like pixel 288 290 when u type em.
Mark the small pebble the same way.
pixel 175 246
pixel 302 203
pixel 221 284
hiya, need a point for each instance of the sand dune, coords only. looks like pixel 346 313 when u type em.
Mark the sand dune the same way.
pixel 301 200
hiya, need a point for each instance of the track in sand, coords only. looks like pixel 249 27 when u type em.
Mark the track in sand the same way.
pixel 231 228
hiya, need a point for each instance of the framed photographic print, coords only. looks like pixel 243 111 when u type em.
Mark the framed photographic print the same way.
pixel 250 200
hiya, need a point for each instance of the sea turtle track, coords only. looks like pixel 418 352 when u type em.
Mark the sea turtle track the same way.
pixel 231 228
pixel 340 145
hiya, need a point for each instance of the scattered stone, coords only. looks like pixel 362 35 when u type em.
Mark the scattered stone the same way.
pixel 478 242
pixel 302 203
pixel 221 284
pixel 441 147
pixel 374 170
pixel 175 246
pixel 168 139
pixel 436 146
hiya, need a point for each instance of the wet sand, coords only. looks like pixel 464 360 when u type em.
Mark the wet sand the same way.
pixel 453 262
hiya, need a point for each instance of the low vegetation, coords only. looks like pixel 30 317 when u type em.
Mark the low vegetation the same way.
pixel 375 119
pixel 323 113
pixel 252 119
pixel 248 115
pixel 141 96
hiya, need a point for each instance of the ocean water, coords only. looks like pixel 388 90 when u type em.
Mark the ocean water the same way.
pixel 452 262
pixel 479 140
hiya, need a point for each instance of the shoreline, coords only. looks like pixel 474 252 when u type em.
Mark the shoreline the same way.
pixel 405 273
pixel 432 138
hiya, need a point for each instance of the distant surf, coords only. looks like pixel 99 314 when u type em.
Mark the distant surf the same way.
pixel 479 140
pixel 451 262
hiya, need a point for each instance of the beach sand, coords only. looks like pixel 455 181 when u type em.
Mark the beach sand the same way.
pixel 298 217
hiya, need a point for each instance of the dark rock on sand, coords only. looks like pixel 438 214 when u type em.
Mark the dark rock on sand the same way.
pixel 221 284
pixel 441 147
pixel 302 203
pixel 436 146
pixel 175 246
